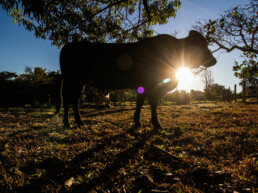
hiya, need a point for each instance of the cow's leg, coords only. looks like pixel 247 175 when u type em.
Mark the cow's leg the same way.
pixel 139 102
pixel 66 115
pixel 58 106
pixel 154 119
pixel 76 98
pixel 77 113
pixel 66 97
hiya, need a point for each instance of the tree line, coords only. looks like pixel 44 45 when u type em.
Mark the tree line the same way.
pixel 37 86
pixel 33 87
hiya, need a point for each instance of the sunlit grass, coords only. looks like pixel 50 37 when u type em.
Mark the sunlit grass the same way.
pixel 215 144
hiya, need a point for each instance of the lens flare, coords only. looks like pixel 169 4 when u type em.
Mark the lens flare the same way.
pixel 140 90
pixel 185 78
pixel 184 74
pixel 166 80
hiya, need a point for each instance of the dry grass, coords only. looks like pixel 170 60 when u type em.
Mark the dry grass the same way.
pixel 202 148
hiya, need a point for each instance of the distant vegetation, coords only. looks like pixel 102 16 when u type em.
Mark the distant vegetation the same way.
pixel 41 87
pixel 34 86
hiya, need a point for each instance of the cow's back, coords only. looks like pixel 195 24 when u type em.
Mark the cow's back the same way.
pixel 118 65
pixel 103 63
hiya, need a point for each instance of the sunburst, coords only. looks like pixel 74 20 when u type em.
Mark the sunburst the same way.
pixel 185 77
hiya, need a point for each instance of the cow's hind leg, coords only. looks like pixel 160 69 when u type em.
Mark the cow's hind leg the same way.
pixel 66 115
pixel 71 92
pixel 76 97
pixel 139 103
pixel 66 97
pixel 154 119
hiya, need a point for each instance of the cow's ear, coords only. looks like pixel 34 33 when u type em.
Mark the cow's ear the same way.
pixel 194 33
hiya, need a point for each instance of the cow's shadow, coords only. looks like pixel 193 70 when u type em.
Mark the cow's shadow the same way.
pixel 59 171
pixel 106 112
pixel 55 172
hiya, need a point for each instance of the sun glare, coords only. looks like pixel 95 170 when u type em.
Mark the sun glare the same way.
pixel 184 77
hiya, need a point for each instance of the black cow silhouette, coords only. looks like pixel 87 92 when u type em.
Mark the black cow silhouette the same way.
pixel 148 66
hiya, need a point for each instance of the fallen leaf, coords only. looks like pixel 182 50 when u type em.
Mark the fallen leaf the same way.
pixel 69 182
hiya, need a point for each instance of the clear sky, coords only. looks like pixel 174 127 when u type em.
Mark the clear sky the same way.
pixel 19 47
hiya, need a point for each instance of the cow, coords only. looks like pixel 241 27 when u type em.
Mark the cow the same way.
pixel 149 66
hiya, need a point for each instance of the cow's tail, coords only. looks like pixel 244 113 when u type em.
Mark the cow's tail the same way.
pixel 59 98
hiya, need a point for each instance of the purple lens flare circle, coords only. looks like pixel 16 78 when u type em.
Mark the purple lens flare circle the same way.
pixel 140 90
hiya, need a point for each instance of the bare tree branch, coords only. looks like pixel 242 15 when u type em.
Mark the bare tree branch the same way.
pixel 236 29
pixel 235 47
pixel 243 38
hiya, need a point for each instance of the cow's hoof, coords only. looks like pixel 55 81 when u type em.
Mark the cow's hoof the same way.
pixel 137 124
pixel 80 123
pixel 157 127
pixel 56 113
pixel 66 125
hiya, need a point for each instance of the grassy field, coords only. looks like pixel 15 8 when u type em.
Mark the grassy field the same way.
pixel 201 148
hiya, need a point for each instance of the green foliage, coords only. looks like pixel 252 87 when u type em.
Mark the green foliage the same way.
pixel 122 95
pixel 35 77
pixel 235 29
pixel 196 95
pixel 6 76
pixel 217 92
pixel 93 20
pixel 178 97
pixel 32 87
pixel 248 69
pixel 92 94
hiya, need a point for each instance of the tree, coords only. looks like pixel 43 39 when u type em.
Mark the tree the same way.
pixel 217 92
pixel 36 77
pixel 117 95
pixel 7 88
pixel 207 77
pixel 235 29
pixel 92 20
pixel 248 70
pixel 94 95
pixel 36 85
pixel 179 97
pixel 6 76
pixel 33 86
pixel 196 95
pixel 54 88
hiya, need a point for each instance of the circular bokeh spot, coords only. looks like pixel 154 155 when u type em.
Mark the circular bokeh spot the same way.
pixel 140 90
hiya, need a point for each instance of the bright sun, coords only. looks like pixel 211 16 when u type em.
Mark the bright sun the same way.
pixel 184 77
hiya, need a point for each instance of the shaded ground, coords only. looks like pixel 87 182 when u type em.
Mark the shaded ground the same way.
pixel 202 148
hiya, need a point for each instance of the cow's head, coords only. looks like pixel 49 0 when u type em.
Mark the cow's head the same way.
pixel 196 51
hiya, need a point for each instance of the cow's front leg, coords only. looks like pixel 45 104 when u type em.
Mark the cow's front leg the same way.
pixel 139 102
pixel 77 113
pixel 154 119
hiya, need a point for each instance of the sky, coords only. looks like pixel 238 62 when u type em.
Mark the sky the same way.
pixel 20 48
